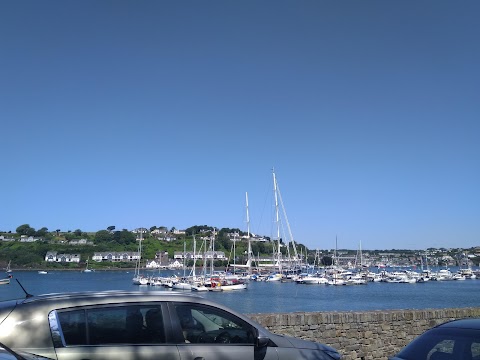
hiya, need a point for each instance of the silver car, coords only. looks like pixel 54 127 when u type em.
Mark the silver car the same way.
pixel 143 325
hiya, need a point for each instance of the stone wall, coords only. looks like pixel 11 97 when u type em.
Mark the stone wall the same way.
pixel 368 335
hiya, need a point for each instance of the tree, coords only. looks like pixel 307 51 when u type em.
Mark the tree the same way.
pixel 42 232
pixel 124 237
pixel 78 232
pixel 25 229
pixel 153 228
pixel 103 236
pixel 326 261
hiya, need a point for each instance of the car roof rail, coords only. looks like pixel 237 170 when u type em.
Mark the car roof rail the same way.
pixel 84 294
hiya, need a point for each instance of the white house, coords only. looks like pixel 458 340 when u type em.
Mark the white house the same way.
pixel 53 256
pixel 175 265
pixel 116 256
pixel 25 238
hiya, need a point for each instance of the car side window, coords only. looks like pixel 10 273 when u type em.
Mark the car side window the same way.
pixel 475 348
pixel 442 350
pixel 142 324
pixel 208 325
pixel 73 327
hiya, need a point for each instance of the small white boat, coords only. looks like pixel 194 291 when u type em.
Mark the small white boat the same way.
pixel 182 286
pixel 5 281
pixel 274 277
pixel 140 280
pixel 313 280
pixel 42 272
pixel 199 287
pixel 229 287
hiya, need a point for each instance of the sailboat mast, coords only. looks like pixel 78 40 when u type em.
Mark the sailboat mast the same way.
pixel 361 256
pixel 277 220
pixel 234 251
pixel 249 250
pixel 194 256
pixel 213 252
pixel 184 250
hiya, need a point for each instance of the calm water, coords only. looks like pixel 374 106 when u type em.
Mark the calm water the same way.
pixel 262 297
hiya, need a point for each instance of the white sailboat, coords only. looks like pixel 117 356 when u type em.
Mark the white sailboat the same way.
pixel 87 270
pixel 8 269
pixel 291 261
pixel 199 282
pixel 139 279
pixel 184 283
pixel 248 265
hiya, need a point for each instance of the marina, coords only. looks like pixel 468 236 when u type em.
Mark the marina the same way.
pixel 266 296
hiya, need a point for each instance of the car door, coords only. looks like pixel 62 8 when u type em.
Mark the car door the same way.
pixel 127 332
pixel 207 332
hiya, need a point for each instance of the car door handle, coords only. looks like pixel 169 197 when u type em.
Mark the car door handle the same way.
pixel 199 358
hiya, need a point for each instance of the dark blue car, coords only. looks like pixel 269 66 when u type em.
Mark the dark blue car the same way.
pixel 454 340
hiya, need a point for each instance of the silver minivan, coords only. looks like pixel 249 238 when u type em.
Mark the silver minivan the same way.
pixel 114 325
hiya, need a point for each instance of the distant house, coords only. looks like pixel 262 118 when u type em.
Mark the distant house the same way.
pixel 80 242
pixel 53 256
pixel 188 255
pixel 5 238
pixel 161 257
pixel 161 231
pixel 114 256
pixel 25 238
pixel 139 231
pixel 175 265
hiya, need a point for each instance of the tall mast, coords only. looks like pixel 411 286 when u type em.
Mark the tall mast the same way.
pixel 249 250
pixel 234 250
pixel 213 252
pixel 194 256
pixel 288 225
pixel 277 220
pixel 335 253
pixel 361 256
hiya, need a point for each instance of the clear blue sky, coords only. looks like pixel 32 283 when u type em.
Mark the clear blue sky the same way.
pixel 143 113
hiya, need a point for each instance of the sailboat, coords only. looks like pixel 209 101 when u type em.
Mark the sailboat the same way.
pixel 87 270
pixel 8 269
pixel 290 262
pixel 248 265
pixel 5 281
pixel 184 284
pixel 137 278
pixel 199 283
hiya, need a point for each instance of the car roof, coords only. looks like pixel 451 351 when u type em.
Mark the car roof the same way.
pixel 111 295
pixel 469 323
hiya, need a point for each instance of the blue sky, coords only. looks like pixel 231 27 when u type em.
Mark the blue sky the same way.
pixel 143 113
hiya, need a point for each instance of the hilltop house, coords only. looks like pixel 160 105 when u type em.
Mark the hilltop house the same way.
pixel 53 256
pixel 217 255
pixel 114 256
pixel 25 238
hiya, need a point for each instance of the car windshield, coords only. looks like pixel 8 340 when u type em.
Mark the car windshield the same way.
pixel 444 344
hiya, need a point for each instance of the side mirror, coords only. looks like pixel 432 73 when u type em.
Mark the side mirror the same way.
pixel 262 341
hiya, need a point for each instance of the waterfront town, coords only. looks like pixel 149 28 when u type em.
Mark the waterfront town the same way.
pixel 173 248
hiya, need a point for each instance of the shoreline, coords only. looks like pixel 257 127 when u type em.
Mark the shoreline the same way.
pixel 58 269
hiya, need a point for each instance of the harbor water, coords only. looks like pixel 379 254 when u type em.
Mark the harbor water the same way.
pixel 267 297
